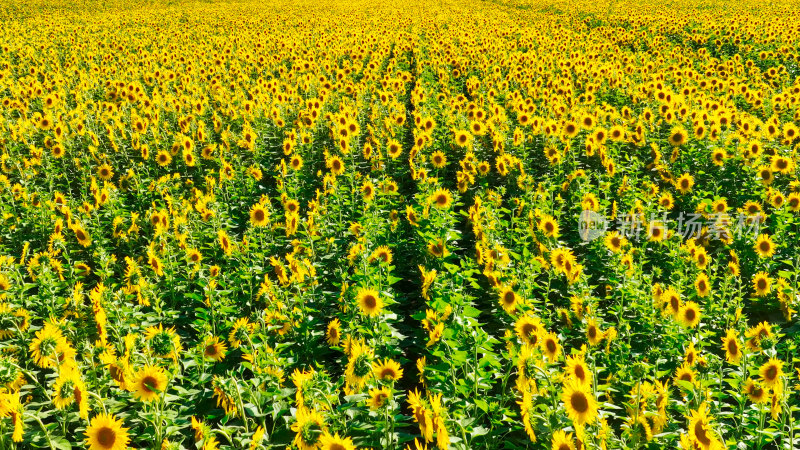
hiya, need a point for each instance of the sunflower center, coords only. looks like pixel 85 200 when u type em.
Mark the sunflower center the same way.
pixel 733 348
pixel 771 373
pixel 149 383
pixel 106 437
pixel 579 402
pixel 370 301
pixel 700 434
pixel 551 346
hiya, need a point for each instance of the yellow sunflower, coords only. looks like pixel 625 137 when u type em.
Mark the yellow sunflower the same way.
pixel 579 402
pixel 309 429
pixel 214 349
pixel 259 216
pixel 388 370
pixel 369 301
pixel 378 397
pixel 733 351
pixel 148 383
pixel 771 372
pixel 334 332
pixel 764 246
pixel 334 442
pixel 105 432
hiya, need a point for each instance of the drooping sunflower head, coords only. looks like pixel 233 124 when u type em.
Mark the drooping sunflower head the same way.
pixel 309 427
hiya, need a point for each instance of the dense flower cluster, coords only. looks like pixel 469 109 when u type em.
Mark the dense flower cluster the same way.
pixel 348 224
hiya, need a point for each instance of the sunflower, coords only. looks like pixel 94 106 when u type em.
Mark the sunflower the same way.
pixel 690 358
pixel 105 172
pixel 685 374
pixel 702 285
pixel 368 191
pixel 790 131
pixel 529 329
pixel 334 442
pixel 733 351
pixel 593 332
pixel 550 346
pixel 689 315
pixel 771 372
pixel 334 333
pixel 65 387
pixel 764 246
pixel 438 159
pixel 577 370
pixel 762 284
pixel 194 256
pixel 672 301
pixel 508 299
pixel 781 164
pixel 81 235
pixel 718 157
pixel 462 138
pixel 684 183
pixel 569 130
pixel 394 149
pixel 310 426
pixel 388 370
pixel 422 415
pixel 148 383
pixel 163 342
pixel 381 254
pixel 378 397
pixel 562 441
pixel 105 432
pixel 296 162
pixel 258 437
pixel 49 346
pixel 259 216
pixel 614 241
pixel 549 226
pixel 580 404
pixel 678 136
pixel 590 202
pixel 163 158
pixel 223 391
pixel 700 431
pixel 441 199
pixel 240 331
pixel 369 301
pixel 656 232
pixel 755 391
pixel 214 349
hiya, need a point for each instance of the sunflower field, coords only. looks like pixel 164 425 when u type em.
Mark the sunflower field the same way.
pixel 351 224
